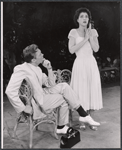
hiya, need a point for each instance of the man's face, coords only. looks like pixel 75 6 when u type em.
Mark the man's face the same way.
pixel 39 57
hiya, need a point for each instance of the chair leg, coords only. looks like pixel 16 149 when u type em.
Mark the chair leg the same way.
pixel 55 132
pixel 70 117
pixel 56 123
pixel 15 128
pixel 37 127
pixel 31 133
pixel 16 125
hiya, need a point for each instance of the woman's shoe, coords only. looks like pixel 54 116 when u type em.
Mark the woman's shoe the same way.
pixel 89 120
pixel 93 128
pixel 82 126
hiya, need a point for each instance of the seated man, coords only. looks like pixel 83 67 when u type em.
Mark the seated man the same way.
pixel 52 96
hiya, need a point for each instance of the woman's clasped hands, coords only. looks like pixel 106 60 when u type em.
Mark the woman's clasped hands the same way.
pixel 88 34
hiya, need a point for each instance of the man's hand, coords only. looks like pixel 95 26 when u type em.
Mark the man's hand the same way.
pixel 28 109
pixel 47 64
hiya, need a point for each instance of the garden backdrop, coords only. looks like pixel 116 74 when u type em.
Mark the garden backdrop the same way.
pixel 47 24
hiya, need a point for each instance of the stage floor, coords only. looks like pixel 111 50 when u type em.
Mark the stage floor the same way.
pixel 107 135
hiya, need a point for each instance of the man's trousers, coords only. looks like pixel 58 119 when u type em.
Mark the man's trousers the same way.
pixel 61 95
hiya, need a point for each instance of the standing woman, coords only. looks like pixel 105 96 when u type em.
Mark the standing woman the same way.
pixel 85 79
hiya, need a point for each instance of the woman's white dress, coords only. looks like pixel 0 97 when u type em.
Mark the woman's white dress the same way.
pixel 85 79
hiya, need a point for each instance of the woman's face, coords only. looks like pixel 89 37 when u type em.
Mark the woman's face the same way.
pixel 83 19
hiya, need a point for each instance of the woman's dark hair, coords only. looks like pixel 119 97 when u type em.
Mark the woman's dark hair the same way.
pixel 77 13
pixel 29 52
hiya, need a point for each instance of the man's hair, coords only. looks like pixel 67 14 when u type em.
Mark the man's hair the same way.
pixel 77 13
pixel 29 52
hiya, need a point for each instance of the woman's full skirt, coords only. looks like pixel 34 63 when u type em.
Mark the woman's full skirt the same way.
pixel 85 81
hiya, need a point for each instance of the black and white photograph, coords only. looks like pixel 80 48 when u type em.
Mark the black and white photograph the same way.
pixel 60 74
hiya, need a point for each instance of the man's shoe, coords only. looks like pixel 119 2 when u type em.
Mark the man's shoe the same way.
pixel 89 120
pixel 63 130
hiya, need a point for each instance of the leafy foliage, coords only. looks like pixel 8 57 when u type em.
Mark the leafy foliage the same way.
pixel 47 25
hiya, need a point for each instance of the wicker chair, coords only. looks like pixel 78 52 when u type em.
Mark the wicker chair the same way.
pixel 64 76
pixel 26 94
